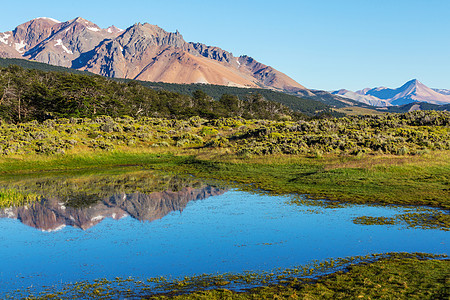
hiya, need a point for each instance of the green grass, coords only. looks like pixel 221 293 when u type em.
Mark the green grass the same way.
pixel 411 180
pixel 375 180
pixel 83 161
pixel 358 111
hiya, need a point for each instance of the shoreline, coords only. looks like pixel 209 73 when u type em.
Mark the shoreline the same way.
pixel 383 180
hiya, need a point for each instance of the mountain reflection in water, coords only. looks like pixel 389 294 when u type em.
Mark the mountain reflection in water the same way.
pixel 120 196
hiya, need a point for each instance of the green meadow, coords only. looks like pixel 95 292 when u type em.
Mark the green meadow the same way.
pixel 401 159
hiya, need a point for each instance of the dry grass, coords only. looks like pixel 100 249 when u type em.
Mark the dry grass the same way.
pixel 358 111
pixel 437 158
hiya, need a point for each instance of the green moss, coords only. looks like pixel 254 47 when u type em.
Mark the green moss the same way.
pixel 424 220
pixel 393 275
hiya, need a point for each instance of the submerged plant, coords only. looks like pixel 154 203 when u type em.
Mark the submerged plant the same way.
pixel 255 285
pixel 423 220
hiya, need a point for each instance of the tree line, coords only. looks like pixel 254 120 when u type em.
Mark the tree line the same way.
pixel 30 94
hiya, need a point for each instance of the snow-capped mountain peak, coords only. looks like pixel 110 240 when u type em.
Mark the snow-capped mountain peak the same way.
pixel 49 19
pixel 411 91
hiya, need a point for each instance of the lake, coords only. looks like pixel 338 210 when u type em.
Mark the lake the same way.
pixel 145 224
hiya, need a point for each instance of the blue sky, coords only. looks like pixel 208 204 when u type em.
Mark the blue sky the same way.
pixel 322 44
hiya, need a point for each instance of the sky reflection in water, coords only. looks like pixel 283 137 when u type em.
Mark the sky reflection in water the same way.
pixel 227 231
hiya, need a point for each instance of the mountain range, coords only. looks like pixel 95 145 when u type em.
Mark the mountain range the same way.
pixel 148 53
pixel 142 51
pixel 410 92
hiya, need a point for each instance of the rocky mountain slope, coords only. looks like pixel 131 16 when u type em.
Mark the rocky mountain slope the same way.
pixel 142 51
pixel 412 91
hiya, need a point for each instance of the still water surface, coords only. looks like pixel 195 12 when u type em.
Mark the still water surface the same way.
pixel 191 229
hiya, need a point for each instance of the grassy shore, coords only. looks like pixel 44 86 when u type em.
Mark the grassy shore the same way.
pixel 408 180
pixel 383 179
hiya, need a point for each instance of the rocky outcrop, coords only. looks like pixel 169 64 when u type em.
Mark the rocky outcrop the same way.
pixel 71 40
pixel 268 76
pixel 24 37
pixel 213 53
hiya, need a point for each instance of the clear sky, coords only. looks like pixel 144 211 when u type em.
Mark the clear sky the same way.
pixel 322 44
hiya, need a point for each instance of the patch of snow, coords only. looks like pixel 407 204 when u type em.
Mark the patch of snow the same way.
pixel 9 213
pixel 93 29
pixel 72 218
pixel 4 39
pixel 109 30
pixel 20 46
pixel 56 229
pixel 237 60
pixel 114 215
pixel 60 43
pixel 97 218
pixel 51 19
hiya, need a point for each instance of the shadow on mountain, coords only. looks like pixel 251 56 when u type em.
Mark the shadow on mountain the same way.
pixel 81 61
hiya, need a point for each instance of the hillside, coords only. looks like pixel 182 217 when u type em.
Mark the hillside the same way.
pixel 307 106
pixel 29 64
pixel 416 106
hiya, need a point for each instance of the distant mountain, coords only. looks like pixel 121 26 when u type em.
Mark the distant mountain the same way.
pixel 366 99
pixel 142 51
pixel 410 92
pixel 442 91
